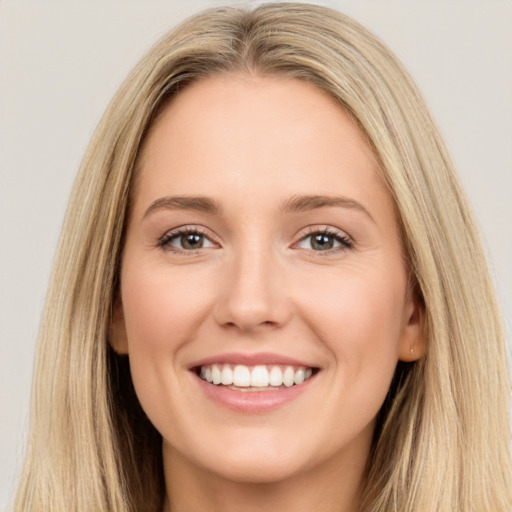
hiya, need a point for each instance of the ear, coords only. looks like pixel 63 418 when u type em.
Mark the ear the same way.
pixel 117 330
pixel 413 342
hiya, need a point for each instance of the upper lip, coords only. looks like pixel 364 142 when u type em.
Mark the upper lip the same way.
pixel 258 358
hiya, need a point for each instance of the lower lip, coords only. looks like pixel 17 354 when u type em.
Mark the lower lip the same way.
pixel 252 402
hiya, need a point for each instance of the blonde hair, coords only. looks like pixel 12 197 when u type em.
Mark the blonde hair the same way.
pixel 442 440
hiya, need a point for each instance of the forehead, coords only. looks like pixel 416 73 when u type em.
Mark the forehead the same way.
pixel 256 134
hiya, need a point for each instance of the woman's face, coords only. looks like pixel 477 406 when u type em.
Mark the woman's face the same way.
pixel 262 245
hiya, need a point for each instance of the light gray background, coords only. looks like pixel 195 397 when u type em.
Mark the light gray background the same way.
pixel 60 64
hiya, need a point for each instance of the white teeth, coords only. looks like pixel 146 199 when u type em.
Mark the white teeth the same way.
pixel 299 376
pixel 227 375
pixel 216 378
pixel 288 376
pixel 259 377
pixel 256 377
pixel 241 376
pixel 276 376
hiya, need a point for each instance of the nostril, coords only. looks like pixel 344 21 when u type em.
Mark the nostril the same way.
pixel 250 326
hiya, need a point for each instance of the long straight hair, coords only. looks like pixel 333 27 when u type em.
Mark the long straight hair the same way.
pixel 442 438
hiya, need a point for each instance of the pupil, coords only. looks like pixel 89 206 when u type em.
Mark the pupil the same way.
pixel 192 241
pixel 322 242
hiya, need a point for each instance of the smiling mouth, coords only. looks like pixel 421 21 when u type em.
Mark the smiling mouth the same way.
pixel 254 378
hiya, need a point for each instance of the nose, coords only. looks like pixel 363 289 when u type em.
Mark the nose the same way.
pixel 252 295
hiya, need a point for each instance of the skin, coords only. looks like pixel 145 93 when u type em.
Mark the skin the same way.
pixel 251 144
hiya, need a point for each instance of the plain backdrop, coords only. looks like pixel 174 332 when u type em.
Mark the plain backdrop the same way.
pixel 60 64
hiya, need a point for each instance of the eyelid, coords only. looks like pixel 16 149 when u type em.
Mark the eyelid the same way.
pixel 170 234
pixel 346 241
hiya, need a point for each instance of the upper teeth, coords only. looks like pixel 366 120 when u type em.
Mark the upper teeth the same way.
pixel 254 376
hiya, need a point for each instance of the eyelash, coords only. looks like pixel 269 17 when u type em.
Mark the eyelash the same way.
pixel 165 241
pixel 344 241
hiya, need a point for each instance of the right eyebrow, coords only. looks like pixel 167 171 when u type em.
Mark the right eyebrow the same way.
pixel 198 204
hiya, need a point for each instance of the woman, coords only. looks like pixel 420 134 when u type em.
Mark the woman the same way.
pixel 267 228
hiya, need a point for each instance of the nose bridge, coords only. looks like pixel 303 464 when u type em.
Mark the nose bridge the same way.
pixel 252 292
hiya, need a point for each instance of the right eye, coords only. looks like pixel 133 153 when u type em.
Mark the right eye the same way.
pixel 185 240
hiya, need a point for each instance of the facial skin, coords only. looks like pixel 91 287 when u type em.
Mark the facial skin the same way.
pixel 259 284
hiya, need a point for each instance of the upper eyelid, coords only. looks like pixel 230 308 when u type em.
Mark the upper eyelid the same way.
pixel 301 234
pixel 324 228
pixel 347 241
pixel 188 228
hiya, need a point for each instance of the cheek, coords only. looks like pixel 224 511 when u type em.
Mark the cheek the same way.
pixel 162 308
pixel 362 306
pixel 358 316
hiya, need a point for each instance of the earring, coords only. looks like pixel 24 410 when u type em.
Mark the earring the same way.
pixel 412 352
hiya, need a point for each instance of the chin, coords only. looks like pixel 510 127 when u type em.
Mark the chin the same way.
pixel 251 458
pixel 257 470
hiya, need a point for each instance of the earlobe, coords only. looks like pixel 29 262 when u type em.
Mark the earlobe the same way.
pixel 117 329
pixel 413 342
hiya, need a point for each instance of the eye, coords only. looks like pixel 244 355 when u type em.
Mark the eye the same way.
pixel 186 240
pixel 324 240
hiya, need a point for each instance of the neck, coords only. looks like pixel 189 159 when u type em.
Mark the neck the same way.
pixel 330 487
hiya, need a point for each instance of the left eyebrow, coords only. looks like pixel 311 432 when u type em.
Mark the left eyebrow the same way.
pixel 306 203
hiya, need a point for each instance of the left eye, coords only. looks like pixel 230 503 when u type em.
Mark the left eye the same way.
pixel 186 241
pixel 322 241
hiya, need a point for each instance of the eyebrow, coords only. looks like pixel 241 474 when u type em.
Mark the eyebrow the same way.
pixel 197 204
pixel 294 204
pixel 306 203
